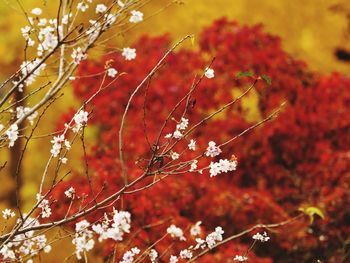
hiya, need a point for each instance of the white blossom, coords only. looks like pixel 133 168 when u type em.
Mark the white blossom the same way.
pixel 78 55
pixel 186 254
pixel 153 254
pixel 193 165
pixel 196 229
pixel 22 111
pixel 70 192
pixel 209 73
pixel 192 145
pixel 168 136
pixel 223 166
pixel 120 3
pixel 213 237
pixel 173 259
pixel 12 134
pixel 129 53
pixel 114 228
pixel 56 145
pixel 82 6
pixel 80 118
pixel 128 256
pixel 176 232
pixel 261 237
pixel 65 18
pixel 112 72
pixel 175 156
pixel 28 66
pixel 7 252
pixel 212 149
pixel 177 135
pixel 37 11
pixel 136 16
pixel 44 205
pixel 101 8
pixel 83 238
pixel 183 124
pixel 240 258
pixel 200 244
pixel 8 213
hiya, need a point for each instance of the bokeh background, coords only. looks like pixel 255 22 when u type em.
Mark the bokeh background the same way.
pixel 315 31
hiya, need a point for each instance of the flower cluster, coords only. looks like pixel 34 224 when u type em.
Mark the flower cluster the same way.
pixel 212 149
pixel 136 16
pixel 57 142
pixel 22 111
pixel 223 166
pixel 128 256
pixel 44 205
pixel 8 213
pixel 80 120
pixel 261 237
pixel 176 232
pixel 25 245
pixel 82 240
pixel 113 228
pixel 12 134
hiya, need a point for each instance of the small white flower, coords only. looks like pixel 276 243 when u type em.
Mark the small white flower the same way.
pixel 56 145
pixel 136 16
pixel 12 134
pixel 64 160
pixel 128 256
pixel 101 8
pixel 37 11
pixel 82 6
pixel 78 55
pixel 47 249
pixel 8 213
pixel 200 244
pixel 209 73
pixel 153 254
pixel 80 119
pixel 173 259
pixel 213 237
pixel 177 135
pixel 176 232
pixel 186 254
pixel 196 229
pixel 70 192
pixel 261 237
pixel 168 136
pixel 42 22
pixel 193 165
pixel 240 258
pixel 111 72
pixel 65 18
pixel 67 144
pixel 129 53
pixel 212 149
pixel 183 124
pixel 175 156
pixel 192 145
pixel 120 3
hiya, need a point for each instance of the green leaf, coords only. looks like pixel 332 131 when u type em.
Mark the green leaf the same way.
pixel 311 211
pixel 244 74
pixel 267 79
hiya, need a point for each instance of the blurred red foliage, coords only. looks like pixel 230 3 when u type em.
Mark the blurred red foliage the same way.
pixel 300 158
